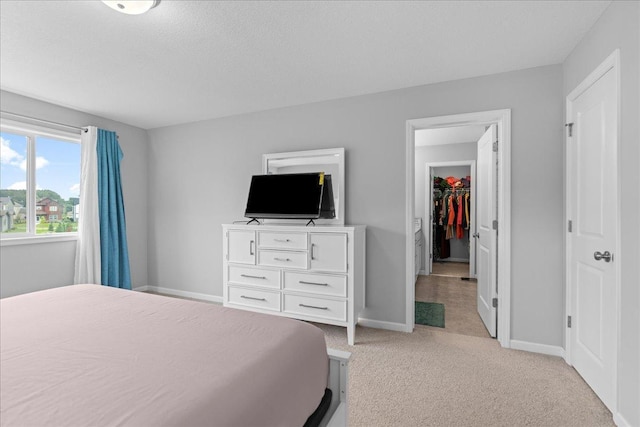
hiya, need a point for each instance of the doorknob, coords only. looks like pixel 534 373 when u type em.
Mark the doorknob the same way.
pixel 476 235
pixel 606 256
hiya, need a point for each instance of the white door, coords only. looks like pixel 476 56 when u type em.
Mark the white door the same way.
pixel 486 236
pixel 593 205
pixel 429 221
pixel 241 246
pixel 328 252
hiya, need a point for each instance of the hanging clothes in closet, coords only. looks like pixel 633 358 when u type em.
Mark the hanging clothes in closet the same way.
pixel 440 245
pixel 451 208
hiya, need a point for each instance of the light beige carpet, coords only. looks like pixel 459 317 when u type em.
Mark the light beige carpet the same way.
pixel 432 378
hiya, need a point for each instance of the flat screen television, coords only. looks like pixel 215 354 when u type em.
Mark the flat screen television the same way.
pixel 291 196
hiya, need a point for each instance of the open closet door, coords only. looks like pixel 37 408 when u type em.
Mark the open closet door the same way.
pixel 486 253
pixel 430 223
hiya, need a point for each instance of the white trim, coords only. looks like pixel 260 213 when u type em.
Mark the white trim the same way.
pixel 620 421
pixel 31 132
pixel 379 324
pixel 551 350
pixel 427 213
pixel 611 62
pixel 410 211
pixel 503 119
pixel 28 239
pixel 50 131
pixel 178 293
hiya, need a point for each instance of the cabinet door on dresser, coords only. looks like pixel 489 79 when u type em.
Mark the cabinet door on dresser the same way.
pixel 241 246
pixel 328 252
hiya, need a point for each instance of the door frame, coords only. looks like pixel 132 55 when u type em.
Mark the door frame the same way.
pixel 429 207
pixel 612 62
pixel 503 119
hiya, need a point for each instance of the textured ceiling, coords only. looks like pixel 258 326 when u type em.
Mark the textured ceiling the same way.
pixel 186 61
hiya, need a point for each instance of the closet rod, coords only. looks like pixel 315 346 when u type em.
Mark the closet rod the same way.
pixel 20 116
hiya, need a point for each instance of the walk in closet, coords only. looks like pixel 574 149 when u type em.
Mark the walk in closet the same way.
pixel 451 213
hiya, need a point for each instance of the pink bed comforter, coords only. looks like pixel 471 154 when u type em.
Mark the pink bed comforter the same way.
pixel 89 355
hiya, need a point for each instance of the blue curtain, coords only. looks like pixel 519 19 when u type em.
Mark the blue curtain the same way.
pixel 113 233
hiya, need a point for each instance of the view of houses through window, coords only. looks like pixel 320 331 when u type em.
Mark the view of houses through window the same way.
pixel 39 183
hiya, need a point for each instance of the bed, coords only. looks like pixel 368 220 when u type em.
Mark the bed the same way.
pixel 92 355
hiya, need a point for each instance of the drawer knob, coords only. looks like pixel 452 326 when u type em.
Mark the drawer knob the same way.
pixel 312 283
pixel 313 306
pixel 282 259
pixel 282 240
pixel 253 298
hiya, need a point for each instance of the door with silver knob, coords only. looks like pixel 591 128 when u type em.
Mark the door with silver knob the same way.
pixel 593 209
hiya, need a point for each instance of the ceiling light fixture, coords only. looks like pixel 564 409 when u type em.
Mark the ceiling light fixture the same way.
pixel 132 7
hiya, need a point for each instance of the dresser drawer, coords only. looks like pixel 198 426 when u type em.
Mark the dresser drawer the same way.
pixel 282 240
pixel 316 307
pixel 321 284
pixel 254 276
pixel 256 298
pixel 284 259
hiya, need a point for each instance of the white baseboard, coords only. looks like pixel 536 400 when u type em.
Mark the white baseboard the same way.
pixel 551 350
pixel 620 421
pixel 379 324
pixel 178 293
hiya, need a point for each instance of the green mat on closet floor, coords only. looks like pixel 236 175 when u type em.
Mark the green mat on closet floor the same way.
pixel 430 313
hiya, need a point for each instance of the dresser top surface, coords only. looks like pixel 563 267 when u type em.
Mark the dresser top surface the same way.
pixel 295 227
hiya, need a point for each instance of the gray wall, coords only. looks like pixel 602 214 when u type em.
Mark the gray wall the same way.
pixel 56 260
pixel 619 27
pixel 199 176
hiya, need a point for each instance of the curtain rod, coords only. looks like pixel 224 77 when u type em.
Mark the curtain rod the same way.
pixel 44 121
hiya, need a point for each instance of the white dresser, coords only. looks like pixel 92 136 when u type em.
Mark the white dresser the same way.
pixel 314 273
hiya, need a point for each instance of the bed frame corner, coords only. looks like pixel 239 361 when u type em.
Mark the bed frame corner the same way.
pixel 338 376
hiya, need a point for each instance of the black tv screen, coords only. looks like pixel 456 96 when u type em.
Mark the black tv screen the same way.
pixel 290 196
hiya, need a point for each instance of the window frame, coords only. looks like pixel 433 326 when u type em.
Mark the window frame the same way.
pixel 31 132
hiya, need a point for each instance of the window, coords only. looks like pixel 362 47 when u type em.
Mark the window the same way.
pixel 39 181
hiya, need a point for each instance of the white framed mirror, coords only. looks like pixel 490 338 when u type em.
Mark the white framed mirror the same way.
pixel 330 161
